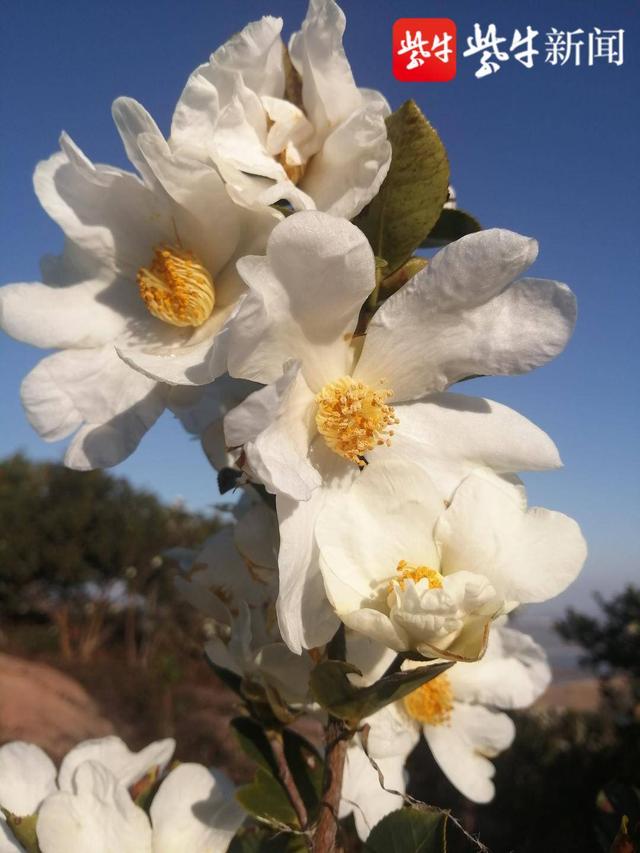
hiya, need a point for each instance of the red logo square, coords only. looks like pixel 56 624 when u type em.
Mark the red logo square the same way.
pixel 424 50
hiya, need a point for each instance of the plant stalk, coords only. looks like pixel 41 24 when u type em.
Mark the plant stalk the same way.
pixel 287 780
pixel 337 735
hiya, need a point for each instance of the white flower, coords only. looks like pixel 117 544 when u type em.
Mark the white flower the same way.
pixel 341 400
pixel 90 807
pixel 233 580
pixel 193 810
pixel 28 776
pixel 328 151
pixel 148 268
pixel 403 570
pixel 455 713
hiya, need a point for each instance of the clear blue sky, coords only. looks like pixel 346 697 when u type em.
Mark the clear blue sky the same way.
pixel 551 152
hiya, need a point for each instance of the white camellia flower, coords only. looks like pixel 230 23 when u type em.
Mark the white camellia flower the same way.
pixel 148 268
pixel 342 400
pixel 194 809
pixel 28 776
pixel 90 806
pixel 411 574
pixel 234 581
pixel 456 714
pixel 323 147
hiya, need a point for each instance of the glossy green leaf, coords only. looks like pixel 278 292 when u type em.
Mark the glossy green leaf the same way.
pixel 266 799
pixel 451 225
pixel 259 840
pixel 333 690
pixel 411 197
pixel 254 743
pixel 409 830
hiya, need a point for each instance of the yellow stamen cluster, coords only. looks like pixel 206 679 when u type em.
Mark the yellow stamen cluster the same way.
pixel 294 171
pixel 176 287
pixel 432 703
pixel 407 571
pixel 354 418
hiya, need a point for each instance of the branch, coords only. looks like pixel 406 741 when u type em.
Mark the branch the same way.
pixel 286 778
pixel 337 735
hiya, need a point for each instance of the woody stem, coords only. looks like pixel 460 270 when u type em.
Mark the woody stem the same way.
pixel 336 735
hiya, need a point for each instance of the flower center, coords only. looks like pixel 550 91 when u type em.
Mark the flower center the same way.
pixel 407 571
pixel 176 287
pixel 294 170
pixel 354 418
pixel 431 703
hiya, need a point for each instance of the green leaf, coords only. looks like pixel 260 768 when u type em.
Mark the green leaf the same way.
pixel 333 690
pixel 258 840
pixel 24 830
pixel 451 225
pixel 411 197
pixel 228 678
pixel 307 768
pixel 266 799
pixel 409 830
pixel 254 743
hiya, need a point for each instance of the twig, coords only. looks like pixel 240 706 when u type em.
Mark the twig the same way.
pixel 337 736
pixel 286 778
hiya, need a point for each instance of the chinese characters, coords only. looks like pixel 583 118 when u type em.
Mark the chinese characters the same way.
pixel 560 47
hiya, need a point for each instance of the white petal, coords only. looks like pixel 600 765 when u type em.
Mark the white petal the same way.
pixel 362 793
pixel 87 314
pixel 460 747
pixel 191 364
pixel 305 616
pixel 194 810
pixel 287 672
pixel 240 146
pixel 369 622
pixel 132 120
pixel 329 92
pixel 278 455
pixel 256 537
pixel 456 319
pixel 27 777
pixel 92 389
pixel 256 54
pixel 112 753
pixel 392 732
pixel 354 160
pixel 196 113
pixel 528 556
pixel 197 407
pixel 107 212
pixel 200 200
pixel 513 673
pixel 451 434
pixel 371 658
pixel 219 566
pixel 313 261
pixel 99 815
pixel 387 516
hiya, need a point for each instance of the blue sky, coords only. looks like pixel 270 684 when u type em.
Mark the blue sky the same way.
pixel 550 152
